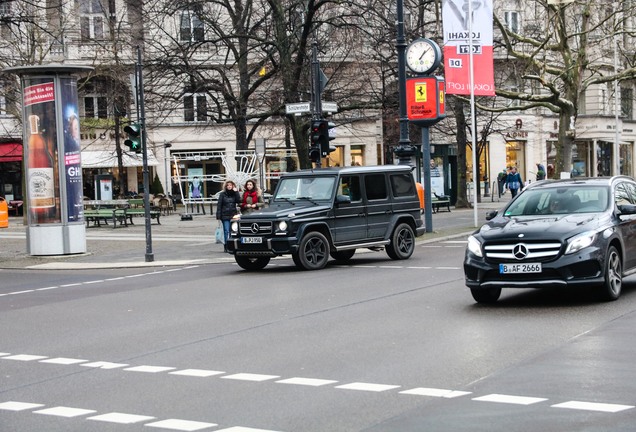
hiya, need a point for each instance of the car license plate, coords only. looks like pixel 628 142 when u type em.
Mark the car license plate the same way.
pixel 251 239
pixel 520 268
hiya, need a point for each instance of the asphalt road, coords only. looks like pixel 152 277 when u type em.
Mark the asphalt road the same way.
pixel 377 345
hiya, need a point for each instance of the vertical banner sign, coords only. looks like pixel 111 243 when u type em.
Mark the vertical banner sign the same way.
pixel 72 151
pixel 456 22
pixel 43 192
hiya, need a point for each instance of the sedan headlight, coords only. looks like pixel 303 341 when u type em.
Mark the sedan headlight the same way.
pixel 474 246
pixel 282 226
pixel 580 241
pixel 234 227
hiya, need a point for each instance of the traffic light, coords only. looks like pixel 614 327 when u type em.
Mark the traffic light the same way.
pixel 319 133
pixel 325 148
pixel 134 137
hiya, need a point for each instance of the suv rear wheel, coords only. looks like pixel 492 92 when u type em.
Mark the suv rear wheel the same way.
pixel 251 263
pixel 313 252
pixel 402 242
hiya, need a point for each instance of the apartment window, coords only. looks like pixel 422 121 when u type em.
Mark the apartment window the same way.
pixel 195 107
pixel 512 21
pixel 92 19
pixel 191 27
pixel 627 103
pixel 95 107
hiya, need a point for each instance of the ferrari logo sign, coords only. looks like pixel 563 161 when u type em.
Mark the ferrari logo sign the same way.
pixel 420 92
pixel 425 100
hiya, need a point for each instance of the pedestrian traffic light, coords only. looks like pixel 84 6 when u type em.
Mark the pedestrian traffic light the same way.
pixel 134 137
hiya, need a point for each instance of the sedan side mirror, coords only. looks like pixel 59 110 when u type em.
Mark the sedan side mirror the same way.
pixel 491 214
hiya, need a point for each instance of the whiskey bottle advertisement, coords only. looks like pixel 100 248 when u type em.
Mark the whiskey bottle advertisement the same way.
pixel 42 172
pixel 41 175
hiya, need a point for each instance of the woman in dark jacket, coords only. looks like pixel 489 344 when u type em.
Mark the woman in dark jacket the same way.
pixel 226 207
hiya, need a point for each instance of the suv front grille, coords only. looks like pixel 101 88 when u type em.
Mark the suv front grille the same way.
pixel 255 228
pixel 522 251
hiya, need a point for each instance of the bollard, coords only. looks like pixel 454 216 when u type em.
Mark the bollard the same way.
pixel 4 213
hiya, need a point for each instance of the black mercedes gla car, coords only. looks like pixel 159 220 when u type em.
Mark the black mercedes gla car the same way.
pixel 562 233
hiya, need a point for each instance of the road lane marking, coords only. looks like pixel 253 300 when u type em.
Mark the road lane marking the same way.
pixel 250 377
pixel 149 369
pixel 104 365
pixel 367 387
pixel 63 361
pixel 202 373
pixel 509 399
pixel 243 429
pixel 593 406
pixel 181 425
pixel 62 411
pixel 18 406
pixel 313 382
pixel 435 392
pixel 121 418
pixel 24 357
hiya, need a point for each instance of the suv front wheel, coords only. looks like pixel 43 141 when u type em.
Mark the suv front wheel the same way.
pixel 251 263
pixel 402 242
pixel 313 252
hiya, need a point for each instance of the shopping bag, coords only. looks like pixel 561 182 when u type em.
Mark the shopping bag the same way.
pixel 219 235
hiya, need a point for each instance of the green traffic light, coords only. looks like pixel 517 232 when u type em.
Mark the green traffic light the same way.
pixel 134 137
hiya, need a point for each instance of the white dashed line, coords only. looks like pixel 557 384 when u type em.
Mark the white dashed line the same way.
pixel 435 392
pixel 196 373
pixel 181 425
pixel 104 365
pixel 4 354
pixel 508 399
pixel 149 369
pixel 313 382
pixel 18 406
pixel 367 387
pixel 121 418
pixel 590 406
pixel 71 285
pixel 20 292
pixel 63 361
pixel 47 288
pixel 62 411
pixel 250 377
pixel 24 357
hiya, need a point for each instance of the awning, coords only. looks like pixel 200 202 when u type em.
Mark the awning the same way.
pixel 10 152
pixel 108 159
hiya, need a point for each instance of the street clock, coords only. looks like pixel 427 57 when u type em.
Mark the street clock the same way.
pixel 423 56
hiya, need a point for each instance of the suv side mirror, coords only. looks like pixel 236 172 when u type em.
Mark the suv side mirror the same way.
pixel 627 209
pixel 343 199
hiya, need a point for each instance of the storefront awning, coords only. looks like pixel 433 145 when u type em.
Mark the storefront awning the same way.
pixel 10 152
pixel 108 159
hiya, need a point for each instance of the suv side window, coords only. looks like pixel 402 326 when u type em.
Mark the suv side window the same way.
pixel 401 185
pixel 350 186
pixel 375 187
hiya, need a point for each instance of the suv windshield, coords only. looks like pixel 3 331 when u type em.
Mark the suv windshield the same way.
pixel 311 188
pixel 560 200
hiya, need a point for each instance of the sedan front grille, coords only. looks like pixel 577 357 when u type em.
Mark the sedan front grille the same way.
pixel 520 251
pixel 255 228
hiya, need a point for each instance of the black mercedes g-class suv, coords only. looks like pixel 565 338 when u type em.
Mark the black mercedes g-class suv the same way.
pixel 318 213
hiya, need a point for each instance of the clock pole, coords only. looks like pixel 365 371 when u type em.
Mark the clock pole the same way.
pixel 405 150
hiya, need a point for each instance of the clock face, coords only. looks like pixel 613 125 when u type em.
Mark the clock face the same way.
pixel 422 56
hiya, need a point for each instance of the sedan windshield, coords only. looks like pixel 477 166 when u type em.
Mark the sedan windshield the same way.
pixel 305 188
pixel 560 200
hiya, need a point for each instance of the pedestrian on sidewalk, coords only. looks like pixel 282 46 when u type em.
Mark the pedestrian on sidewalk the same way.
pixel 501 181
pixel 227 207
pixel 252 198
pixel 514 182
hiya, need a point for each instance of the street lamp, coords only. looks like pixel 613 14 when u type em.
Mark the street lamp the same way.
pixel 166 162
pixel 405 150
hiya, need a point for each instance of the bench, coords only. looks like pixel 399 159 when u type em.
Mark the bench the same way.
pixel 136 208
pixel 438 202
pixel 97 216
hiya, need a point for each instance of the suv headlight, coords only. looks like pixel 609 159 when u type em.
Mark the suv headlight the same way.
pixel 580 241
pixel 474 246
pixel 282 226
pixel 234 226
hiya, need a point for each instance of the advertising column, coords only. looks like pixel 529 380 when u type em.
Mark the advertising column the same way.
pixel 52 158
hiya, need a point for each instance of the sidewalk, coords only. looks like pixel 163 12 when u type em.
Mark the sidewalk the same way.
pixel 176 242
